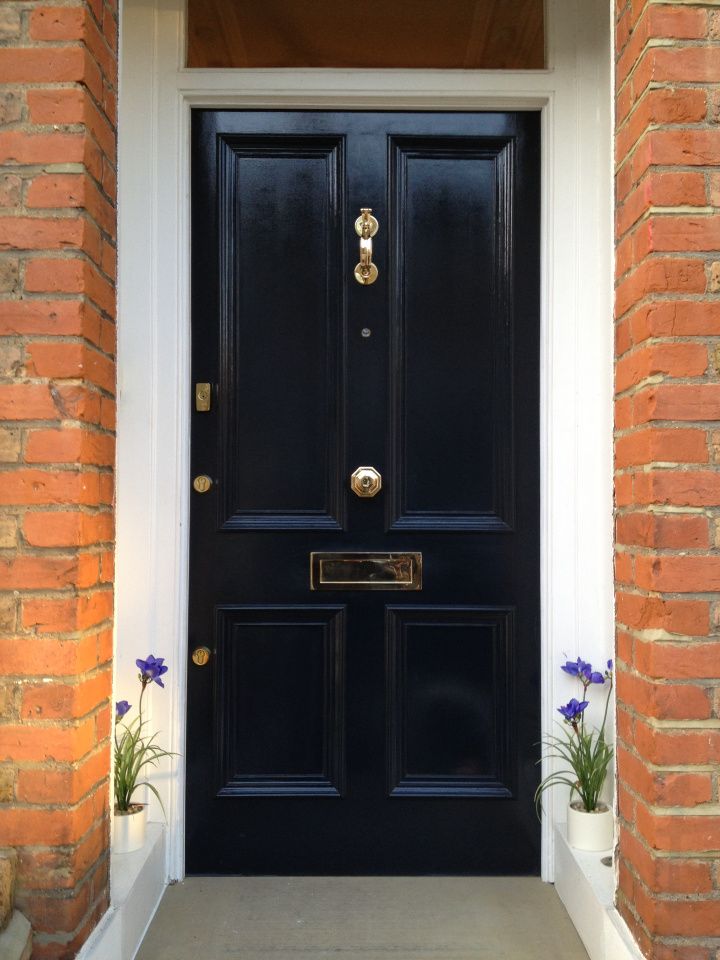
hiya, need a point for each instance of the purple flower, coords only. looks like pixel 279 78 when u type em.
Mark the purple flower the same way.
pixel 583 671
pixel 121 708
pixel 572 709
pixel 151 669
pixel 610 666
pixel 576 669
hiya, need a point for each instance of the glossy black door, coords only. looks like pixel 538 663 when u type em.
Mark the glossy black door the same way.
pixel 365 731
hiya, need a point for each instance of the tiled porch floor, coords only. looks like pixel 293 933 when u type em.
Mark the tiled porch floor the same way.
pixel 369 918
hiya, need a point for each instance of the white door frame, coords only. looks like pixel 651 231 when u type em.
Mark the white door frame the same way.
pixel 156 96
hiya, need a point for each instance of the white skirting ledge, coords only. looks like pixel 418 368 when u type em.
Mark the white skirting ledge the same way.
pixel 584 885
pixel 137 883
pixel 587 887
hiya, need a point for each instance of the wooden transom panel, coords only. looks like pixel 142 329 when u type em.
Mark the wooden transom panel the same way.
pixel 455 34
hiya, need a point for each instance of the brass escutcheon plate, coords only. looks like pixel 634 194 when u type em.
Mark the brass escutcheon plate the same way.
pixel 203 397
pixel 365 571
pixel 202 483
pixel 200 656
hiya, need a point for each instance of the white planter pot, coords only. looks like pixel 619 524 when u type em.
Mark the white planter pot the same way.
pixel 590 831
pixel 129 829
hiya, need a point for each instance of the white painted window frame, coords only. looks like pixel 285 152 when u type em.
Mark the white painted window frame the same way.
pixel 153 479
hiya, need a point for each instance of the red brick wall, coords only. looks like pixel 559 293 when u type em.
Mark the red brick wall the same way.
pixel 57 375
pixel 667 482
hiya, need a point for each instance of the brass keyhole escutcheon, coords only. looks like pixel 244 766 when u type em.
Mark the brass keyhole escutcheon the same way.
pixel 203 397
pixel 366 482
pixel 200 656
pixel 202 483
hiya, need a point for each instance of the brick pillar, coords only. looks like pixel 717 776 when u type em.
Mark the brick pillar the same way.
pixel 58 70
pixel 667 481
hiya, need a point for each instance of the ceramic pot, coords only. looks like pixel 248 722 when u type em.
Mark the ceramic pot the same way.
pixel 590 831
pixel 129 828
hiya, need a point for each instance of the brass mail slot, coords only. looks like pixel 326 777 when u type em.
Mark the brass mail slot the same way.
pixel 366 571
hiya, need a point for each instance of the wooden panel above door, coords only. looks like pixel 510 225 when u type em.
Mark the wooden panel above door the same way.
pixel 459 34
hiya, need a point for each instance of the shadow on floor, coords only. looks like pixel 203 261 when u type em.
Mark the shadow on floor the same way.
pixel 371 918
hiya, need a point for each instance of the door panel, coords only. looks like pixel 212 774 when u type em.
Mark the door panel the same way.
pixel 279 708
pixel 279 204
pixel 365 730
pixel 450 701
pixel 452 222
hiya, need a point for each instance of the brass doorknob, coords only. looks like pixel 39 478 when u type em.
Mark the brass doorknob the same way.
pixel 366 482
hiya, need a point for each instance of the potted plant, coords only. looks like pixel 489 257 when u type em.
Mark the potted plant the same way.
pixel 135 751
pixel 586 756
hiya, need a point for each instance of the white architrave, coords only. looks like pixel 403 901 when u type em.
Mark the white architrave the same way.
pixel 156 96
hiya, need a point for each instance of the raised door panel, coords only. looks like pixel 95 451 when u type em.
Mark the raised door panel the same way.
pixel 279 704
pixel 281 324
pixel 450 694
pixel 450 437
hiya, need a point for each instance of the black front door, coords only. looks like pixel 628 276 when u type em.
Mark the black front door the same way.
pixel 371 700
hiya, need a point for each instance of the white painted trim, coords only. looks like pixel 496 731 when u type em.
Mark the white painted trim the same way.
pixel 137 882
pixel 586 888
pixel 153 330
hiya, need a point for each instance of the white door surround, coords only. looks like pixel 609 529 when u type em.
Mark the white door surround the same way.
pixel 156 95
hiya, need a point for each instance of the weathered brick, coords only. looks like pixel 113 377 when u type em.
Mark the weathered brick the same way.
pixel 10 27
pixel 11 359
pixel 8 701
pixel 9 275
pixel 27 401
pixel 11 105
pixel 10 190
pixel 714 279
pixel 43 64
pixel 10 440
pixel 57 23
pixel 8 613
pixel 8 532
pixel 7 783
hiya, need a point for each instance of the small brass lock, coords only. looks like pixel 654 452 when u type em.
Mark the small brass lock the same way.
pixel 202 483
pixel 200 656
pixel 366 482
pixel 203 397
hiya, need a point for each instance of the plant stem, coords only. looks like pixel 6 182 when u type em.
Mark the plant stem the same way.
pixel 607 703
pixel 142 694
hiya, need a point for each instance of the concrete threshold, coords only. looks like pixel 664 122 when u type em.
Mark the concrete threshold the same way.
pixel 369 918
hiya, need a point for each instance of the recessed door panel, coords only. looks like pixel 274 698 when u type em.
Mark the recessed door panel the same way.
pixel 280 209
pixel 451 426
pixel 450 701
pixel 364 545
pixel 279 705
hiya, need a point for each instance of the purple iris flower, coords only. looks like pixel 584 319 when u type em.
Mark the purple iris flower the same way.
pixel 610 666
pixel 572 709
pixel 583 671
pixel 152 669
pixel 577 668
pixel 121 708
